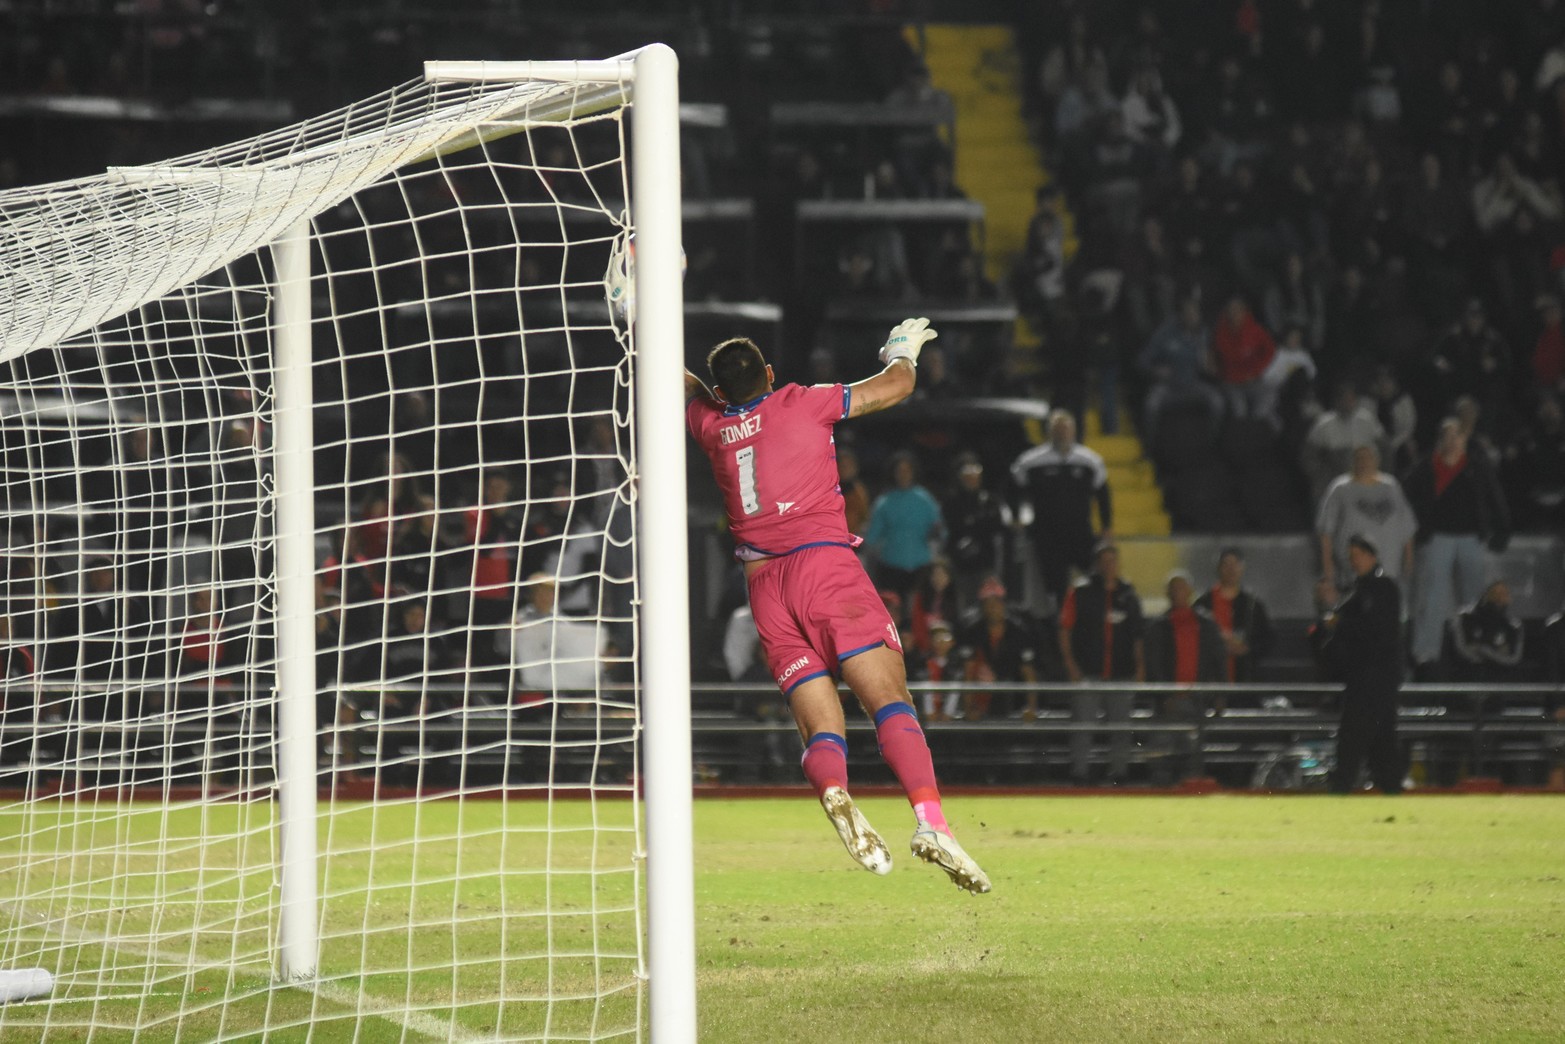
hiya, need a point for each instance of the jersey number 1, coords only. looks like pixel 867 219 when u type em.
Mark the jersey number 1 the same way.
pixel 745 460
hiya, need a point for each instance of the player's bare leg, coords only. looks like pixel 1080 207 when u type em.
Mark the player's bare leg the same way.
pixel 879 678
pixel 818 712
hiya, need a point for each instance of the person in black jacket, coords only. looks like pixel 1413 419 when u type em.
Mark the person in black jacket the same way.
pixel 1055 486
pixel 1101 643
pixel 1241 616
pixel 1484 642
pixel 1361 643
pixel 1184 645
pixel 976 521
pixel 1460 510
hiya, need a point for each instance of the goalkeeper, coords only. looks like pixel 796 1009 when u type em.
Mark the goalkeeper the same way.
pixel 818 615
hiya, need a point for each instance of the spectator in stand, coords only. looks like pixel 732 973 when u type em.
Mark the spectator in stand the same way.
pixel 919 147
pixel 1460 512
pixel 1151 118
pixel 16 658
pixel 1353 313
pixel 335 708
pixel 18 707
pixel 492 529
pixel 1055 486
pixel 1237 115
pixel 1040 271
pixel 1247 216
pixel 1397 415
pixel 935 382
pixel 1360 640
pixel 1287 381
pixel 1436 220
pixel 1471 358
pixel 1152 281
pixel 1510 209
pixel 1471 416
pixel 935 598
pixel 1176 363
pixel 555 657
pixel 423 559
pixel 905 527
pixel 1085 358
pixel 1535 468
pixel 1484 642
pixel 943 664
pixel 1241 617
pixel 998 646
pixel 1450 124
pixel 1243 351
pixel 855 496
pixel 414 658
pixel 1295 298
pixel 1302 203
pixel 977 522
pixel 1086 101
pixel 1115 165
pixel 1365 502
pixel 1184 645
pixel 1328 448
pixel 1186 208
pixel 1100 636
pixel 203 650
pixel 742 654
pixel 1548 352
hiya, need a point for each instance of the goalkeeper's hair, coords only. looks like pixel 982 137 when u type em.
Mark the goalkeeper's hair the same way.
pixel 738 368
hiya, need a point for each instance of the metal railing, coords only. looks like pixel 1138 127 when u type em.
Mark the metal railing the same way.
pixel 743 733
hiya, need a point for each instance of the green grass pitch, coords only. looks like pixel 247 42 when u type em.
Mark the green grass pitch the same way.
pixel 1113 918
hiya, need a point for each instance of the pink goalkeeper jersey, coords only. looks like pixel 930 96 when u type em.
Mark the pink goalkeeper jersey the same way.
pixel 776 462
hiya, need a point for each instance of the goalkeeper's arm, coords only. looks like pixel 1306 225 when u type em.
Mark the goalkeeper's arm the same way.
pixel 694 387
pixel 895 383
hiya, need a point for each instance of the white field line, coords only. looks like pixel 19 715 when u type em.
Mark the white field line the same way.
pixel 420 1022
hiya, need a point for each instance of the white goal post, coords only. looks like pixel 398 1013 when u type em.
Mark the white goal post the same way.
pixel 346 646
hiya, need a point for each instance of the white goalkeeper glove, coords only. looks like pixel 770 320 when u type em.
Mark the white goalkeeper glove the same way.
pixel 906 340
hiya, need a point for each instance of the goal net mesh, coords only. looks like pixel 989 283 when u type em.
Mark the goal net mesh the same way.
pixel 475 596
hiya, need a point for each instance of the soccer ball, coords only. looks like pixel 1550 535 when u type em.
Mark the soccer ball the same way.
pixel 619 281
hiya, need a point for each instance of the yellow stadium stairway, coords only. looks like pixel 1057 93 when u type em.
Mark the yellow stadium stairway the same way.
pixel 996 161
pixel 998 165
pixel 1138 502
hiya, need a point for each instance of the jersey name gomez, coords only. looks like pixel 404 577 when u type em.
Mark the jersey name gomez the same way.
pixel 776 464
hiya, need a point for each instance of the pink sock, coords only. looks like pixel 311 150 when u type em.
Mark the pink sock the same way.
pixel 904 748
pixel 826 762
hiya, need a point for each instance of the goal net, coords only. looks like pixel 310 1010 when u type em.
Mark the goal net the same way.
pixel 322 626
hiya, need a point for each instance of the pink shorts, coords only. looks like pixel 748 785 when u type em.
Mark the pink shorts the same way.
pixel 814 609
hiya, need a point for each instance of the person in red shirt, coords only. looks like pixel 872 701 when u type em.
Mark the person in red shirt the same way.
pixel 203 650
pixel 1243 351
pixel 1241 616
pixel 1184 645
pixel 1101 643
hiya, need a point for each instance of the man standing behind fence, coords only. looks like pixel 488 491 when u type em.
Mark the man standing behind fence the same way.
pixel 1361 642
pixel 1100 641
pixel 1240 615
pixel 1056 485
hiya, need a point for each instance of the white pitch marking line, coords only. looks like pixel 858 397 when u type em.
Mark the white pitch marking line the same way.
pixel 419 1022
